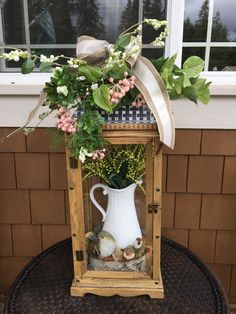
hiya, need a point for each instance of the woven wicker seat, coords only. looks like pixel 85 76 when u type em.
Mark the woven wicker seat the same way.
pixel 43 287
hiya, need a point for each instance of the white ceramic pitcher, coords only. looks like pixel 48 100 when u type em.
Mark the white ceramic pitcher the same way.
pixel 120 219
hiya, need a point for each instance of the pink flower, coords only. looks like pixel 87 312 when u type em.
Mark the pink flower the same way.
pixel 99 153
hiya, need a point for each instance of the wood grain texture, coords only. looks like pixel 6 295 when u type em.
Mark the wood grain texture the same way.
pixel 115 274
pixel 149 200
pixel 122 287
pixel 157 180
pixel 129 126
pixel 76 215
pixel 122 283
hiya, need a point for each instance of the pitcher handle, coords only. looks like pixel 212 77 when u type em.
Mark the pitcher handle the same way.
pixel 99 207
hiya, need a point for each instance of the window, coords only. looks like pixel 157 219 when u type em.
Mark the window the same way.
pixel 206 28
pixel 210 32
pixel 52 26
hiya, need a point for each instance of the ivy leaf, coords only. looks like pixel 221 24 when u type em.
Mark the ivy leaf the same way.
pixel 169 63
pixel 202 90
pixel 123 40
pixel 117 72
pixel 193 66
pixel 101 98
pixel 199 83
pixel 45 66
pixel 204 95
pixel 28 66
pixel 186 81
pixel 178 83
pixel 158 63
pixel 92 74
pixel 190 93
pixel 166 76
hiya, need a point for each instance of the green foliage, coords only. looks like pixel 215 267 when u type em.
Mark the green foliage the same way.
pixel 28 66
pixel 101 98
pixel 123 41
pixel 184 82
pixel 45 67
pixel 117 72
pixel 192 68
pixel 90 122
pixel 89 133
pixel 128 98
pixel 92 74
pixel 122 166
pixel 75 83
pixel 65 77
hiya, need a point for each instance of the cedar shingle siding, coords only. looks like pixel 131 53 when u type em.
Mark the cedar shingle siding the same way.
pixel 198 211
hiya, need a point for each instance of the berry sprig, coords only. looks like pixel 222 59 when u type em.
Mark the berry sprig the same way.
pixel 119 90
pixel 65 122
pixel 99 153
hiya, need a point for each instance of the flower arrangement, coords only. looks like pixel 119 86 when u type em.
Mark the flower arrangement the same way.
pixel 120 167
pixel 106 85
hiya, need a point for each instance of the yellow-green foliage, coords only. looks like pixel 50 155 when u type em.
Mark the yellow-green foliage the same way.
pixel 122 166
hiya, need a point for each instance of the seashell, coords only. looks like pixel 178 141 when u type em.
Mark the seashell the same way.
pixel 138 243
pixel 129 253
pixel 118 255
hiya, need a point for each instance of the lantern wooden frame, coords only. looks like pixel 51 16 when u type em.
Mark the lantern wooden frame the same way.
pixel 108 283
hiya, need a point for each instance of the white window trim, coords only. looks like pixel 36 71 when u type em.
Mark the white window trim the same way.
pixel 19 93
pixel 32 84
pixel 175 27
pixel 223 83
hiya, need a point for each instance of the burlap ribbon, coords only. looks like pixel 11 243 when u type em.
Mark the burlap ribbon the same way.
pixel 148 81
pixel 31 115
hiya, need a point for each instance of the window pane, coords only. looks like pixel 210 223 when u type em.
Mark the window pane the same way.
pixel 13 22
pixel 195 20
pixel 224 21
pixel 193 51
pixel 153 9
pixel 128 16
pixel 150 53
pixel 101 19
pixel 222 59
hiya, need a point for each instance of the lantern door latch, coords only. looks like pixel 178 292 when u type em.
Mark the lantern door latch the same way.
pixel 79 255
pixel 73 163
pixel 153 208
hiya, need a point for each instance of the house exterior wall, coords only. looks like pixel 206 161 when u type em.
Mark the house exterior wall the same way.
pixel 198 211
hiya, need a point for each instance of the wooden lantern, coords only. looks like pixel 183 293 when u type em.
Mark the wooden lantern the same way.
pixel 123 283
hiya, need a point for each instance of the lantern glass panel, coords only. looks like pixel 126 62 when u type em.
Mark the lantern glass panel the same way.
pixel 115 214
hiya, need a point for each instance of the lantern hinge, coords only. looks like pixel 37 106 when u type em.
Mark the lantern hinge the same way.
pixel 73 163
pixel 153 208
pixel 79 255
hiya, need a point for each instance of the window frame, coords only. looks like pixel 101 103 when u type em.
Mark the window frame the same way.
pixel 223 83
pixel 208 44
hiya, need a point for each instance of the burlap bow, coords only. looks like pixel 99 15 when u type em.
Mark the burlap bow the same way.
pixel 148 81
